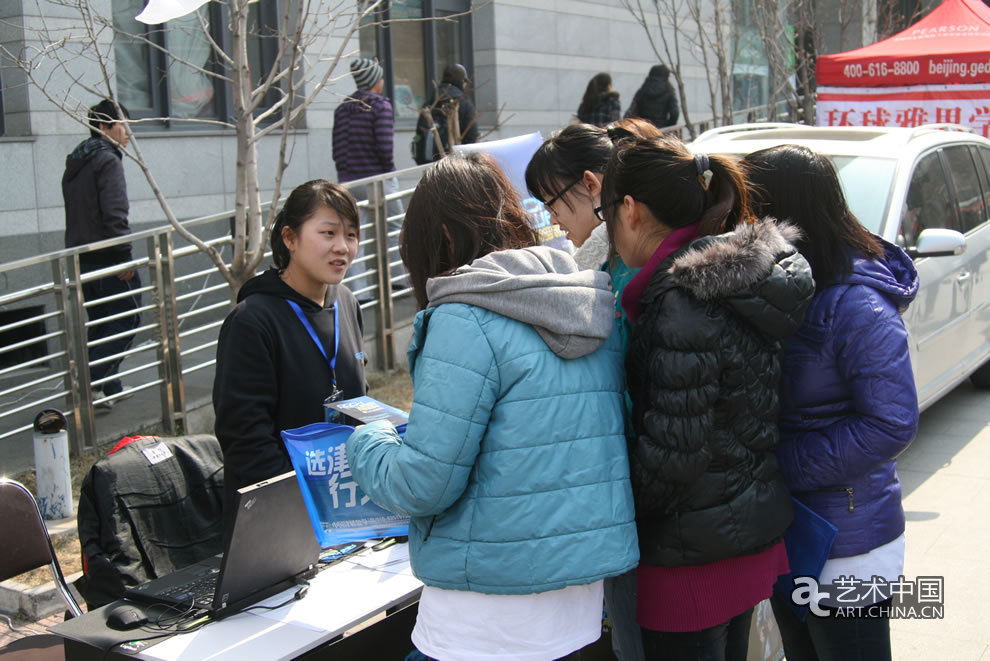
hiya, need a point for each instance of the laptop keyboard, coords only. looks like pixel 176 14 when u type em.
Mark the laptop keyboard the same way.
pixel 201 590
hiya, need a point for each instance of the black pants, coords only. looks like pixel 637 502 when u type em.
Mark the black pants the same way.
pixel 832 638
pixel 103 288
pixel 728 641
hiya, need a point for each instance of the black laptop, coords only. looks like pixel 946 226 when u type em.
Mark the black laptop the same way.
pixel 272 544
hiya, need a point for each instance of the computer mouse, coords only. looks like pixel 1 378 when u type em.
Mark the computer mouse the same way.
pixel 125 617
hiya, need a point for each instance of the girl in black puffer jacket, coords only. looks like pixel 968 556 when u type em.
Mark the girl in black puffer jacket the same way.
pixel 710 306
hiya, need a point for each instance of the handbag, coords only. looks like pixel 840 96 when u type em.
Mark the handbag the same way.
pixel 808 541
pixel 338 508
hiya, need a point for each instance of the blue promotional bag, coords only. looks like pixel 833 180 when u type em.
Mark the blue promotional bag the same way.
pixel 338 507
pixel 808 540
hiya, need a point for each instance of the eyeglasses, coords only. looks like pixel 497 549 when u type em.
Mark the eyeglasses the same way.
pixel 598 210
pixel 549 203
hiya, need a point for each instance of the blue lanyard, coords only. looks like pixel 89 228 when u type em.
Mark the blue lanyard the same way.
pixel 319 345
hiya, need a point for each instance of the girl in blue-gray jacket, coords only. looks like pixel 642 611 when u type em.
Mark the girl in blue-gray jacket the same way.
pixel 513 468
pixel 848 404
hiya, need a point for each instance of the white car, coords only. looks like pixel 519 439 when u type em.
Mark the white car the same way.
pixel 926 189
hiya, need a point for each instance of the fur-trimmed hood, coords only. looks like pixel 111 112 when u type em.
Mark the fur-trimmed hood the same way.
pixel 755 271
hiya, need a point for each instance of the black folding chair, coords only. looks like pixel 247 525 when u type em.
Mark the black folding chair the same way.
pixel 27 546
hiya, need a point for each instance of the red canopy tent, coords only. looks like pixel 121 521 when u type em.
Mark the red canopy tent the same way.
pixel 938 70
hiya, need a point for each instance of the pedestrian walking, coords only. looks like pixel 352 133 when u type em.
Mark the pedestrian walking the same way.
pixel 715 295
pixel 600 103
pixel 450 91
pixel 96 208
pixel 513 467
pixel 293 340
pixel 655 101
pixel 363 141
pixel 848 405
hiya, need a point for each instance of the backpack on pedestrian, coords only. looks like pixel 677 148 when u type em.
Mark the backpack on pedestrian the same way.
pixel 424 146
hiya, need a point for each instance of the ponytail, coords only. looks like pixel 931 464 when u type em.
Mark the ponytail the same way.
pixel 678 188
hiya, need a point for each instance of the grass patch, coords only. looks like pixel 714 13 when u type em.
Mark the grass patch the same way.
pixel 394 388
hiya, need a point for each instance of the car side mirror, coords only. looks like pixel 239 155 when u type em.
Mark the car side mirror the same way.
pixel 938 243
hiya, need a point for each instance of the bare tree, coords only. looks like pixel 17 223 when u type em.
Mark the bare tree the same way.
pixel 702 28
pixel 71 60
pixel 669 15
pixel 712 20
pixel 792 33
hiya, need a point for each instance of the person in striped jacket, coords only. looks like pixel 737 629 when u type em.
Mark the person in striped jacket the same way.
pixel 363 136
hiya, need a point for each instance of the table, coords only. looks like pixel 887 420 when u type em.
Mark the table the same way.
pixel 340 597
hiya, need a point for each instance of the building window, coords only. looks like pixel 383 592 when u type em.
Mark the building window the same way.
pixel 165 70
pixel 410 86
pixel 415 52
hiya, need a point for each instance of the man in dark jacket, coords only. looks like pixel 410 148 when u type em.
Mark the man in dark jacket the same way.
pixel 95 195
pixel 451 88
pixel 449 91
pixel 363 136
pixel 656 101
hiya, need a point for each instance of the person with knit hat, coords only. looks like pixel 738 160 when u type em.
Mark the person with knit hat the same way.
pixel 363 134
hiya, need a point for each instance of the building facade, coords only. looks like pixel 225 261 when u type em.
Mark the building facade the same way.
pixel 529 61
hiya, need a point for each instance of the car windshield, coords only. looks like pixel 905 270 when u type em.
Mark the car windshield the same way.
pixel 866 183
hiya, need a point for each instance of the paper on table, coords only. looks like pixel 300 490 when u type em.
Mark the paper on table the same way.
pixel 348 592
pixel 386 558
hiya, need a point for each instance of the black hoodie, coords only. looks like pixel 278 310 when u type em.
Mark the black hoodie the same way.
pixel 655 101
pixel 271 376
pixel 95 196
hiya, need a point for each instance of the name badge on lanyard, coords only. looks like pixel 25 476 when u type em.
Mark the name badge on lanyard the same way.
pixel 335 392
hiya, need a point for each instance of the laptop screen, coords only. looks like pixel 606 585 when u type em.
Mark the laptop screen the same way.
pixel 272 541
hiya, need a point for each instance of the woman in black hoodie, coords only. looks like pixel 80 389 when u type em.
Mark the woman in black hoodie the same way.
pixel 293 340
pixel 656 101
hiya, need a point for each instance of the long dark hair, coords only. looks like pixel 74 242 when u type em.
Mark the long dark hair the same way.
pixel 596 87
pixel 795 184
pixel 564 157
pixel 301 204
pixel 464 207
pixel 666 177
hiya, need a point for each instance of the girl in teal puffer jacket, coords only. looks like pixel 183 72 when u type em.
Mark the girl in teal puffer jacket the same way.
pixel 513 468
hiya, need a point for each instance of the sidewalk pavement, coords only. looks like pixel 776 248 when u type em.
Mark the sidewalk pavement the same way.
pixel 946 479
pixel 8 635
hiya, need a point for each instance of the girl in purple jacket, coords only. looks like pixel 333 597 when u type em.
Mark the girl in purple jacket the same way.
pixel 848 405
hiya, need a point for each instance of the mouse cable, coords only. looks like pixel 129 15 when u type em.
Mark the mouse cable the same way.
pixel 296 596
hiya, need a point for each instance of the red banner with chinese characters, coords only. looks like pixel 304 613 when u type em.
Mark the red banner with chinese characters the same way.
pixel 967 105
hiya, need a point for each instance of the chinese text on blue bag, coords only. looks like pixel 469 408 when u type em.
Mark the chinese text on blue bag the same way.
pixel 339 509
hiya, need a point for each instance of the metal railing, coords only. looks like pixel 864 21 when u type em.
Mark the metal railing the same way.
pixel 46 344
pixel 45 329
pixel 782 112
